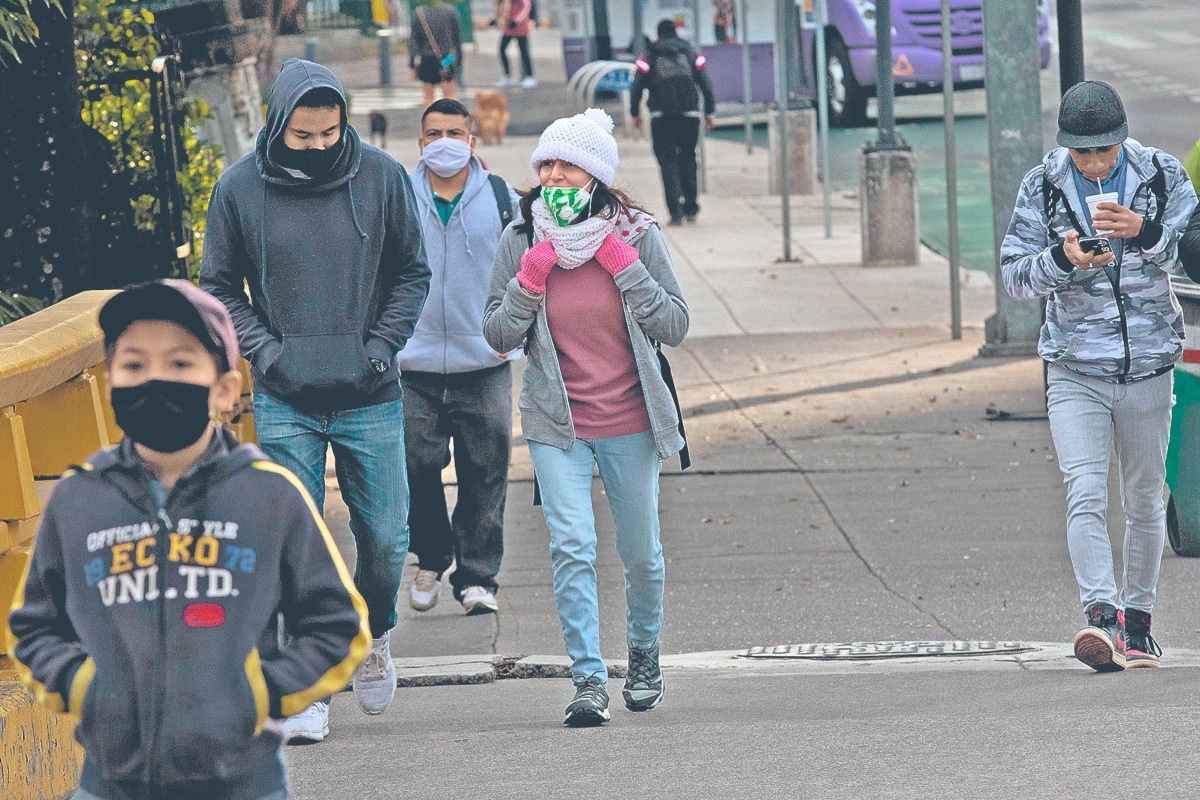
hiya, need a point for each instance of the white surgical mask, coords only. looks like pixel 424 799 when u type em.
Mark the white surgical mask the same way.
pixel 446 157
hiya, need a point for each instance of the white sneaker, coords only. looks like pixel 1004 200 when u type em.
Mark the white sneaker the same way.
pixel 309 726
pixel 375 679
pixel 504 82
pixel 528 82
pixel 425 588
pixel 478 600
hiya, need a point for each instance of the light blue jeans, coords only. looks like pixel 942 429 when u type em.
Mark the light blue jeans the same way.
pixel 1088 416
pixel 368 451
pixel 629 469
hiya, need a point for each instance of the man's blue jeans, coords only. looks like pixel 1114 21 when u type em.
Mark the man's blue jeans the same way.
pixel 368 451
pixel 1088 416
pixel 629 469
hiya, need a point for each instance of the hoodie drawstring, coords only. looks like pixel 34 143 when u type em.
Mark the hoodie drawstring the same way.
pixel 353 213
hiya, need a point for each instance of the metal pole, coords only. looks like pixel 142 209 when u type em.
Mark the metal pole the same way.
pixel 385 56
pixel 1070 43
pixel 823 114
pixel 603 34
pixel 951 172
pixel 747 95
pixel 781 106
pixel 1014 117
pixel 310 48
pixel 639 29
pixel 702 177
pixel 885 89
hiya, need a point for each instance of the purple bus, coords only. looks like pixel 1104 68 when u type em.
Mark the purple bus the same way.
pixel 916 50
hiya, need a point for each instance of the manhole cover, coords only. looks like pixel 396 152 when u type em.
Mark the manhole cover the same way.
pixel 869 650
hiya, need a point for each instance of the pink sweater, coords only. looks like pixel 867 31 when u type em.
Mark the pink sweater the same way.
pixel 587 322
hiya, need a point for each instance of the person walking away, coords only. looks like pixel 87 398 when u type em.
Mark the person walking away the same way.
pixel 1112 334
pixel 674 75
pixel 322 228
pixel 435 49
pixel 514 19
pixel 585 282
pixel 456 388
pixel 724 21
pixel 158 565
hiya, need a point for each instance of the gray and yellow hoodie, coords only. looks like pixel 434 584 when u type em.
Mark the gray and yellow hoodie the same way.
pixel 335 265
pixel 142 618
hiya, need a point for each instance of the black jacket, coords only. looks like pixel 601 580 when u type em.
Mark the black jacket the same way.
pixel 1189 247
pixel 643 80
pixel 335 266
pixel 144 621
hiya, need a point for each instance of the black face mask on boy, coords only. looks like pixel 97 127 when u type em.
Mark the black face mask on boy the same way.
pixel 165 416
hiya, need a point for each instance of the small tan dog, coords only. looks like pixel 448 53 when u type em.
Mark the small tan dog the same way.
pixel 491 109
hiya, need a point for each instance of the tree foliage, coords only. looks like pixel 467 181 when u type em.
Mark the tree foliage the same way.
pixel 111 41
pixel 17 27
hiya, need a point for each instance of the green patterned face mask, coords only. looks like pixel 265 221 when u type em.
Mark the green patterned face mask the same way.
pixel 565 203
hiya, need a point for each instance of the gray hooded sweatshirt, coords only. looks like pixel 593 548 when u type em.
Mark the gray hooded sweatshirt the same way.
pixel 335 265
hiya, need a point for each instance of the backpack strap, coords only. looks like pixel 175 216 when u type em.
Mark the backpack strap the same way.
pixel 685 458
pixel 1158 187
pixel 503 201
pixel 1051 195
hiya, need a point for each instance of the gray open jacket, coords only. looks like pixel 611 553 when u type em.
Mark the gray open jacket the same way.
pixel 655 311
pixel 1127 329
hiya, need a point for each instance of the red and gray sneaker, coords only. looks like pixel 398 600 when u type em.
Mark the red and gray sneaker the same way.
pixel 1097 645
pixel 1136 643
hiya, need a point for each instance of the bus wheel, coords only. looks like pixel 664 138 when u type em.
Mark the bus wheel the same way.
pixel 847 100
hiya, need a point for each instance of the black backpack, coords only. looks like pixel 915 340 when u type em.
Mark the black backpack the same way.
pixel 671 80
pixel 503 200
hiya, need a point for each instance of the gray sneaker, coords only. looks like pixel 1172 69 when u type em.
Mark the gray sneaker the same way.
pixel 590 706
pixel 375 679
pixel 644 682
pixel 310 726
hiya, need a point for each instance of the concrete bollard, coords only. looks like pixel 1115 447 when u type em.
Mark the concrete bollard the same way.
pixel 888 188
pixel 801 151
pixel 385 56
pixel 310 49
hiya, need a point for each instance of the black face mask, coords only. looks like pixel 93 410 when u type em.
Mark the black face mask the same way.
pixel 165 416
pixel 313 163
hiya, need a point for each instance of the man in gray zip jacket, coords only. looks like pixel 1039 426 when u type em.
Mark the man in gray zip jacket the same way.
pixel 1112 335
pixel 456 387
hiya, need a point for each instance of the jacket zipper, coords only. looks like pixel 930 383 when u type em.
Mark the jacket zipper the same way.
pixel 163 538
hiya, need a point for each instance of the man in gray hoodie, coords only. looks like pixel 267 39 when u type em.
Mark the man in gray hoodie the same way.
pixel 457 388
pixel 322 229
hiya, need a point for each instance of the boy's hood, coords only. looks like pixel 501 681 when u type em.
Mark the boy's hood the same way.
pixel 296 78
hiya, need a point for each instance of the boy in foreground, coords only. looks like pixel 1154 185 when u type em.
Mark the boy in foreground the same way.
pixel 159 564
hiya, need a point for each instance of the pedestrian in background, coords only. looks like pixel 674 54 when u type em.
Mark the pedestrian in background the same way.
pixel 322 229
pixel 514 20
pixel 1112 334
pixel 585 283
pixel 724 21
pixel 435 49
pixel 674 75
pixel 457 389
pixel 158 565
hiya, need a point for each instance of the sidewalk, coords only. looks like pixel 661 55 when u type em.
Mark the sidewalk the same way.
pixel 847 486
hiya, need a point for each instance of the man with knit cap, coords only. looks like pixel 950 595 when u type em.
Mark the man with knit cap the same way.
pixel 1112 334
pixel 675 76
pixel 321 227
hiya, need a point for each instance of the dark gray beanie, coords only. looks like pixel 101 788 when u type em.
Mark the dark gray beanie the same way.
pixel 1091 115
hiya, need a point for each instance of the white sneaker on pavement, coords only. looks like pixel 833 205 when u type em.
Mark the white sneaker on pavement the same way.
pixel 375 679
pixel 309 726
pixel 478 600
pixel 528 82
pixel 504 82
pixel 425 588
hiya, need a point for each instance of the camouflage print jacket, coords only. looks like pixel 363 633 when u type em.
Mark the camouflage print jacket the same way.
pixel 1090 327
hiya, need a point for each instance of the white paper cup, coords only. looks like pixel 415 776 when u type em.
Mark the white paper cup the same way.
pixel 1095 200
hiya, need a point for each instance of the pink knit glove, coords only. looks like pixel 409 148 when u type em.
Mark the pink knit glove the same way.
pixel 535 266
pixel 614 255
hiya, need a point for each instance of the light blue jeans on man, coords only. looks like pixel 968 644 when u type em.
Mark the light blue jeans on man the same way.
pixel 1088 416
pixel 629 469
pixel 368 451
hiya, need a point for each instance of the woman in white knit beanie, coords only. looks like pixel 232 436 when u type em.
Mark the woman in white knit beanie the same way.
pixel 584 282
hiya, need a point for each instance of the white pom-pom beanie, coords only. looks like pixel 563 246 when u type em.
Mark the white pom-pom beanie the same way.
pixel 585 140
